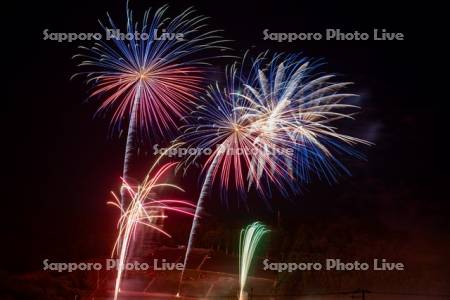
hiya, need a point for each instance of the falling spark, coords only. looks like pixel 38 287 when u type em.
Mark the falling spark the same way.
pixel 143 209
pixel 298 107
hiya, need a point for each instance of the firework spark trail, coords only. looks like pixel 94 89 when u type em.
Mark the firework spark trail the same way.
pixel 142 210
pixel 249 240
pixel 198 211
pixel 151 81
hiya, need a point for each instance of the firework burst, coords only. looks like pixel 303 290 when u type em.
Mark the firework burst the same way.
pixel 270 125
pixel 158 76
pixel 149 82
pixel 288 100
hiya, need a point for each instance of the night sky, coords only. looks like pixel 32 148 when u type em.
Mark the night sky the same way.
pixel 61 164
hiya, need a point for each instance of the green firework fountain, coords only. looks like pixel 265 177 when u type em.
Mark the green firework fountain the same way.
pixel 248 243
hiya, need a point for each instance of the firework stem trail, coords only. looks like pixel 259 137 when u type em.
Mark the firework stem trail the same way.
pixel 122 258
pixel 198 210
pixel 129 148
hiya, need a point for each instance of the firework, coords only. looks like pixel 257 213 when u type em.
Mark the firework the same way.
pixel 248 242
pixel 269 125
pixel 298 106
pixel 242 147
pixel 220 123
pixel 146 80
pixel 143 210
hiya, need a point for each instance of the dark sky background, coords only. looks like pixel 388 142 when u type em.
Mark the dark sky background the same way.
pixel 61 165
